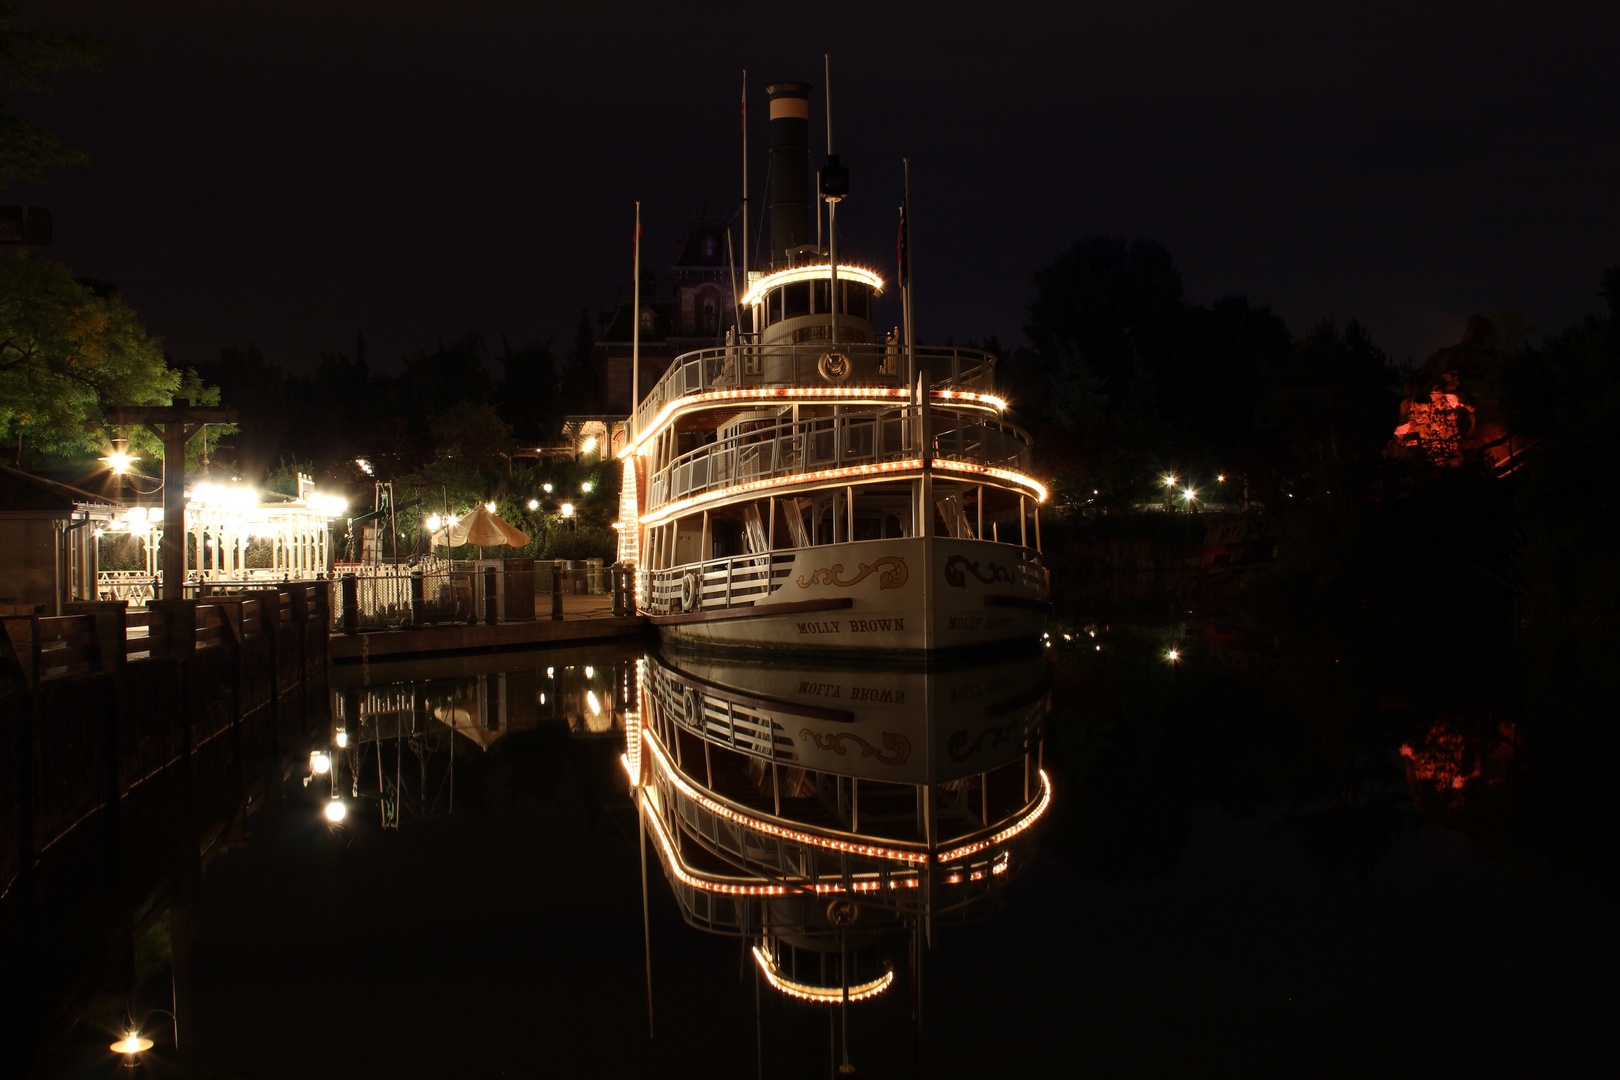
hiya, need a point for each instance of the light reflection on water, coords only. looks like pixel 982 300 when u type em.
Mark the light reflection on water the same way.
pixel 1251 842
pixel 830 819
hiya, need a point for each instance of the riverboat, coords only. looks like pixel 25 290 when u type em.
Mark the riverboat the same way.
pixel 817 484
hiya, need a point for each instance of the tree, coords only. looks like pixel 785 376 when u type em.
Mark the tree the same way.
pixel 579 393
pixel 528 398
pixel 66 354
pixel 26 57
pixel 1332 405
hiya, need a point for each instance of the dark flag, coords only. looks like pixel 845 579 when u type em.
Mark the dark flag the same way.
pixel 902 250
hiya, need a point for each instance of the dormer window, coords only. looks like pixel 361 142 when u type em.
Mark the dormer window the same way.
pixel 708 247
pixel 646 322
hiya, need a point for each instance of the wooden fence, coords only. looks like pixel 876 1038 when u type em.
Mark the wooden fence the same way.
pixel 131 744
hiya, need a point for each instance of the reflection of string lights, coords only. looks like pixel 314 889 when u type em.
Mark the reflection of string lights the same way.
pixel 864 883
pixel 766 827
pixel 1010 831
pixel 673 862
pixel 825 995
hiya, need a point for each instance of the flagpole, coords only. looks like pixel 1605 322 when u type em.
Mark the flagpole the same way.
pixel 745 188
pixel 832 214
pixel 905 274
pixel 635 333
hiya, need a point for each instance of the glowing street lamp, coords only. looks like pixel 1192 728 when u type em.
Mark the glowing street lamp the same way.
pixel 1173 655
pixel 1221 478
pixel 490 506
pixel 336 811
pixel 1169 481
pixel 119 459
pixel 320 762
pixel 130 1045
pixel 586 487
pixel 546 488
pixel 567 510
pixel 534 504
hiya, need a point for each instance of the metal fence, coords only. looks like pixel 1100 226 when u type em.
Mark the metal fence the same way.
pixel 440 591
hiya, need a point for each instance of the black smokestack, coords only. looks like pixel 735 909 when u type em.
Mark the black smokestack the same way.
pixel 790 167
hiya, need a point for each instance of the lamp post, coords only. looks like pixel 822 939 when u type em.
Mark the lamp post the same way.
pixel 134 1044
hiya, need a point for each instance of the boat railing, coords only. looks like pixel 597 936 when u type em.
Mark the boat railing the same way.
pixel 716 583
pixel 788 449
pixel 747 579
pixel 733 367
pixel 799 855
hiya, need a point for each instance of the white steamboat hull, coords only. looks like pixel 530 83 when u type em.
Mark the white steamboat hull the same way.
pixel 904 595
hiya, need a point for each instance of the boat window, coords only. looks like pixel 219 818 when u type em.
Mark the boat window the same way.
pixel 818 298
pixel 857 300
pixel 796 299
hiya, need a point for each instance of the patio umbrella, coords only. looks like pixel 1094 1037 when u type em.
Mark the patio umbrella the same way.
pixel 482 528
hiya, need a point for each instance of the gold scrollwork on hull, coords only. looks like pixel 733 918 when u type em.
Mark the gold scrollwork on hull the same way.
pixel 891 571
pixel 896 747
pixel 955 578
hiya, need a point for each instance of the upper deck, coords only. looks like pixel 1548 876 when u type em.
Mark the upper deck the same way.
pixel 785 373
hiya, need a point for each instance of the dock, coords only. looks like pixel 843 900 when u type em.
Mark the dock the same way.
pixel 585 619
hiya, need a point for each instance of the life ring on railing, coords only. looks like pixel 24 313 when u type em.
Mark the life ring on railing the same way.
pixel 690 592
pixel 834 366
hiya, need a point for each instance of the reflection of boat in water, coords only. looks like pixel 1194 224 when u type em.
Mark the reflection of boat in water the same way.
pixel 397 727
pixel 817 810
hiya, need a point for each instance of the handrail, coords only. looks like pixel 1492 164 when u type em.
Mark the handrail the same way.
pixel 731 367
pixel 788 448
pixel 869 844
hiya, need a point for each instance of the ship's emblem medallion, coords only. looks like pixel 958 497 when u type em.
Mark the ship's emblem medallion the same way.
pixel 834 366
pixel 896 747
pixel 955 578
pixel 891 572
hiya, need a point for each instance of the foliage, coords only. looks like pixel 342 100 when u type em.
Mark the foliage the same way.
pixel 27 56
pixel 283 479
pixel 67 354
pixel 528 399
pixel 1131 380
pixel 1328 412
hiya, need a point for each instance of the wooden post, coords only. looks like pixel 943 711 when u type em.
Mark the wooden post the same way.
pixel 351 604
pixel 107 618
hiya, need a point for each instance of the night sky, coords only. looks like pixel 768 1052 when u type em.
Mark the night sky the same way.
pixel 288 173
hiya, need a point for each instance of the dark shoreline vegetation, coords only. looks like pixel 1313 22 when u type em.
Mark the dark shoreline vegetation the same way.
pixel 1432 542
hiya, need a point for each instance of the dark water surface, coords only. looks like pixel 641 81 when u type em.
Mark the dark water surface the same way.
pixel 1276 855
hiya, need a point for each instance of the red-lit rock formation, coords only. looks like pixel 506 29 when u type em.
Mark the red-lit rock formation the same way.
pixel 1445 424
pixel 1456 756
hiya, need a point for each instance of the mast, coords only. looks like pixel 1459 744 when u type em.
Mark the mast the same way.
pixel 905 272
pixel 745 189
pixel 635 332
pixel 834 186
